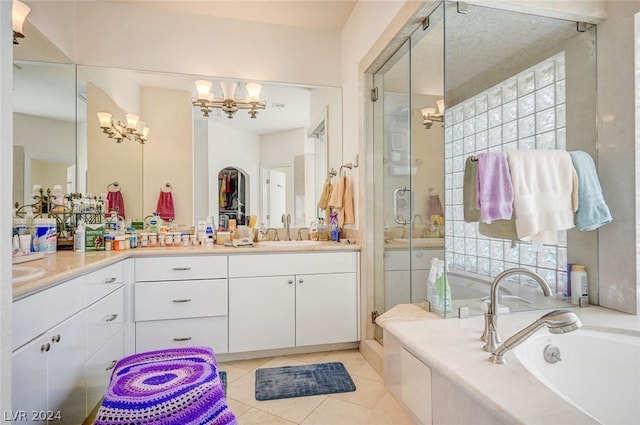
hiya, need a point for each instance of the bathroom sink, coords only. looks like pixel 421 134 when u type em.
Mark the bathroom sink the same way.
pixel 289 243
pixel 22 273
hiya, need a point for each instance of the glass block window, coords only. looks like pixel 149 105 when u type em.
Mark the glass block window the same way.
pixel 527 111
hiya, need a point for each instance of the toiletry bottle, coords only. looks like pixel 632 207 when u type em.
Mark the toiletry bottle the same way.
pixel 579 284
pixel 313 231
pixel 263 234
pixel 335 233
pixel 322 231
pixel 442 286
pixel 78 239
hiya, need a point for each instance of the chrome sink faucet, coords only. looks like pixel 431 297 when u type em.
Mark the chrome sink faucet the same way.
pixel 286 220
pixel 558 322
pixel 490 334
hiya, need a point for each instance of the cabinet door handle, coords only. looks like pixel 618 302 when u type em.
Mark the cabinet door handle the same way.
pixel 290 281
pixel 111 365
pixel 111 318
pixel 55 338
pixel 111 280
pixel 300 280
pixel 186 338
pixel 182 300
pixel 45 347
pixel 181 269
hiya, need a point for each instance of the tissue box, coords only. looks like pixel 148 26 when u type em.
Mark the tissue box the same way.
pixel 94 237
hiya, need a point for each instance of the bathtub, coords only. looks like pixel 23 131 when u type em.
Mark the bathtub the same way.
pixel 599 371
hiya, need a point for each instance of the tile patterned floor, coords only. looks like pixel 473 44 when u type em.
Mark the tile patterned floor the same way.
pixel 370 404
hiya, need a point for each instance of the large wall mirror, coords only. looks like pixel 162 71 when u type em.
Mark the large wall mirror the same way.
pixel 291 144
pixel 44 118
pixel 216 166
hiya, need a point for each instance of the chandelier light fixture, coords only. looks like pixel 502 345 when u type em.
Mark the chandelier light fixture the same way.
pixel 19 13
pixel 429 114
pixel 207 101
pixel 134 129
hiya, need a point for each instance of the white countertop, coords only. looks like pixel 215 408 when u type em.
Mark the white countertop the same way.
pixel 509 391
pixel 65 265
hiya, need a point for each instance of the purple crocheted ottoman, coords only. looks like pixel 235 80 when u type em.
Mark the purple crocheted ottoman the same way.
pixel 179 386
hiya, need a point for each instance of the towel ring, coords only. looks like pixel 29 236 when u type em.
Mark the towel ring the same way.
pixel 167 186
pixel 114 184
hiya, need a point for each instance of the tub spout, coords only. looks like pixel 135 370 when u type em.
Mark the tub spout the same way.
pixel 490 334
pixel 558 322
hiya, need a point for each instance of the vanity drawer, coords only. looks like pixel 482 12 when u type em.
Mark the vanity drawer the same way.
pixel 180 268
pixel 178 299
pixel 103 281
pixel 35 314
pixel 100 367
pixel 208 331
pixel 104 319
pixel 287 264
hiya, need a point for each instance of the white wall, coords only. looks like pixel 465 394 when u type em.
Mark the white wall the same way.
pixel 128 35
pixel 6 177
pixel 280 149
pixel 618 157
pixel 37 135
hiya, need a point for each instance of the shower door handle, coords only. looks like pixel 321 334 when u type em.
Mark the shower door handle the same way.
pixel 396 198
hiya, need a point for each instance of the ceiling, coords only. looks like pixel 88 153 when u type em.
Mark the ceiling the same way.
pixel 310 14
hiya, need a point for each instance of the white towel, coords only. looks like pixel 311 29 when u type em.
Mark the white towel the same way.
pixel 545 187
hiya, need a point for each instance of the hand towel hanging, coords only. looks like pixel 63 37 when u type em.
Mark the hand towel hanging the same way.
pixel 116 202
pixel 494 196
pixel 592 212
pixel 165 207
pixel 545 193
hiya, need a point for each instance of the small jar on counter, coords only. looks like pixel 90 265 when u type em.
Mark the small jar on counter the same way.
pixel 144 240
pixel 153 240
pixel 119 243
pixel 177 241
pixel 108 242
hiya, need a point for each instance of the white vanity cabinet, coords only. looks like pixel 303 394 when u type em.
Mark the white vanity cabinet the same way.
pixel 181 301
pixel 406 274
pixel 48 361
pixel 57 334
pixel 285 300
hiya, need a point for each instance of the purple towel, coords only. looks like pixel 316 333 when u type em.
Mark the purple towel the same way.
pixel 166 387
pixel 494 187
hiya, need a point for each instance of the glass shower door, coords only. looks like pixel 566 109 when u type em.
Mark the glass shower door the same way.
pixel 409 167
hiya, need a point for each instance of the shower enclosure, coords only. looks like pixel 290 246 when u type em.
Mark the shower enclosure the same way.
pixel 467 80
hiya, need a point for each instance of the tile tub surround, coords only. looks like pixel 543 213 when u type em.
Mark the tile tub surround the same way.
pixel 452 348
pixel 65 265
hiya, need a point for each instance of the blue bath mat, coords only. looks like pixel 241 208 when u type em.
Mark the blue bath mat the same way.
pixel 223 379
pixel 299 381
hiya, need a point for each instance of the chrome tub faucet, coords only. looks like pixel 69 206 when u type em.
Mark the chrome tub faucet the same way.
pixel 558 322
pixel 490 334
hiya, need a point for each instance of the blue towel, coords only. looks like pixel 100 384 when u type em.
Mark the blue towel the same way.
pixel 592 212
